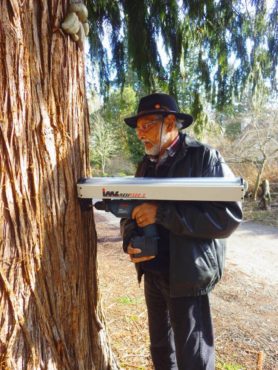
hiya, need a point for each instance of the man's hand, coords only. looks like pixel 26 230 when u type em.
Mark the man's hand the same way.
pixel 145 214
pixel 131 251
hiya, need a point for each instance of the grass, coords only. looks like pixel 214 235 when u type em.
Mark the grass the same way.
pixel 226 366
pixel 127 300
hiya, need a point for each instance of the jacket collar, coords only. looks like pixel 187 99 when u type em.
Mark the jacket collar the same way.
pixel 186 143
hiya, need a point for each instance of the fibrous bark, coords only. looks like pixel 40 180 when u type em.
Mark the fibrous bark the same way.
pixel 49 312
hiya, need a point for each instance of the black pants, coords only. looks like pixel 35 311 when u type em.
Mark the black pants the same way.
pixel 181 332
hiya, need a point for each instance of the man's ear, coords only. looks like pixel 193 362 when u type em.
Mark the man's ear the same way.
pixel 170 122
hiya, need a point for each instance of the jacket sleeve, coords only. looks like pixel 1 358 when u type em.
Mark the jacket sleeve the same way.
pixel 208 220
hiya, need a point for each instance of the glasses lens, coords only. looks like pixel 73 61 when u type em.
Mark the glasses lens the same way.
pixel 147 125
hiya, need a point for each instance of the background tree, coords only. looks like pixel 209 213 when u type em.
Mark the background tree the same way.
pixel 258 143
pixel 250 129
pixel 122 103
pixel 103 142
pixel 217 32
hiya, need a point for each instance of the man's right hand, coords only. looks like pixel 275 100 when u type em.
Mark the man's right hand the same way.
pixel 131 251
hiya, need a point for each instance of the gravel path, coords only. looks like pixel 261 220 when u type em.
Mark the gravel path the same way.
pixel 253 248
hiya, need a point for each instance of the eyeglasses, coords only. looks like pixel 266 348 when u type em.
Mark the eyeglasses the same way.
pixel 148 125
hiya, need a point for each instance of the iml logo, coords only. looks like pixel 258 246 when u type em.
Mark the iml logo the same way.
pixel 110 194
pixel 116 194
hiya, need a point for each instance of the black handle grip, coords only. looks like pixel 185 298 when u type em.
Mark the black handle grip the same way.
pixel 100 206
pixel 147 243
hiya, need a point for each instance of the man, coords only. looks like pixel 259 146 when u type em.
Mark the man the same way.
pixel 191 247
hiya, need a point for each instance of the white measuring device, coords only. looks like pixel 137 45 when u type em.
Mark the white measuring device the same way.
pixel 175 189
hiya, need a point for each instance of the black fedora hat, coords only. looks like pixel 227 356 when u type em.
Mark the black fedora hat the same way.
pixel 159 104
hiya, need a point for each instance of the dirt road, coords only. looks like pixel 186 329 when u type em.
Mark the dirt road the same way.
pixel 244 303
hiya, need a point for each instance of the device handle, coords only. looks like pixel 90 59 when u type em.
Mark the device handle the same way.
pixel 148 243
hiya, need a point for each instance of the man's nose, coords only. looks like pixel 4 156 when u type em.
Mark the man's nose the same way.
pixel 140 134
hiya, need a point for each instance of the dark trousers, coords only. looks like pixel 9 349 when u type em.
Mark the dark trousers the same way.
pixel 181 332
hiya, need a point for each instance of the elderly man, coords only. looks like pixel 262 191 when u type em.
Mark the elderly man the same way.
pixel 191 246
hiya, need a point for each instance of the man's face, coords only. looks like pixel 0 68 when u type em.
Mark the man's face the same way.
pixel 148 130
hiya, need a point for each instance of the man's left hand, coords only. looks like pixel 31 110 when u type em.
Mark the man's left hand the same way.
pixel 145 214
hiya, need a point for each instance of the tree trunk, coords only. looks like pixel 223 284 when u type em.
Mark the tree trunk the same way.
pixel 49 312
pixel 259 176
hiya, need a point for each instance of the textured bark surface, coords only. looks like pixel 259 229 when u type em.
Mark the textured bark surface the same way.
pixel 49 313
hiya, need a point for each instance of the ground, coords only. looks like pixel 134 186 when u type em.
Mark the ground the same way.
pixel 244 304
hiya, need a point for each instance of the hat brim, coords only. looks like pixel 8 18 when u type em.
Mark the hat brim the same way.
pixel 184 119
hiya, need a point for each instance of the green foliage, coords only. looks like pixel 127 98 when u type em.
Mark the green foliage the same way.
pixel 120 104
pixel 216 31
pixel 203 125
pixel 135 147
pixel 233 130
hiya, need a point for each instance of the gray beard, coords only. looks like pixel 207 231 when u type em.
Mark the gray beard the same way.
pixel 155 149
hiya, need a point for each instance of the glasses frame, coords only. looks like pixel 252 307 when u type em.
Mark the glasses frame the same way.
pixel 148 125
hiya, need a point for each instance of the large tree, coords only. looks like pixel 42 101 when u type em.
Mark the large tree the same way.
pixel 49 312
